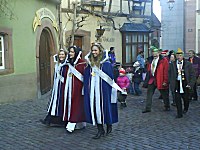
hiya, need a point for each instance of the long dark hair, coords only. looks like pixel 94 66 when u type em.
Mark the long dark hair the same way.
pixel 76 50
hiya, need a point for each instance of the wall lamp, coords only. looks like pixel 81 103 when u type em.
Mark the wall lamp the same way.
pixel 99 32
pixel 171 4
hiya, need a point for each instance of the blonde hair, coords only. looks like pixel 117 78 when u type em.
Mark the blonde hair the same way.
pixel 96 62
pixel 61 50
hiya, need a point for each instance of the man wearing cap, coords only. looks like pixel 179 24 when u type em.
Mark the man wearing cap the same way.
pixel 196 65
pixel 157 77
pixel 182 78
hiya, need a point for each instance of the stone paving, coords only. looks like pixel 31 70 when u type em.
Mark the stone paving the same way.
pixel 20 128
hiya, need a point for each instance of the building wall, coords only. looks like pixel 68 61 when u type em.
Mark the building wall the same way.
pixel 198 26
pixel 172 25
pixel 190 25
pixel 22 84
pixel 111 37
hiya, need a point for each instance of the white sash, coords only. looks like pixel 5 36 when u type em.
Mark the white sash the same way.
pixel 106 78
pixel 75 72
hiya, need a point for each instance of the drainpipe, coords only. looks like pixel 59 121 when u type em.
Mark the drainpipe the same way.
pixel 60 25
pixel 184 43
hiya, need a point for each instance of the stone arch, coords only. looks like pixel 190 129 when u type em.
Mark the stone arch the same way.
pixel 47 26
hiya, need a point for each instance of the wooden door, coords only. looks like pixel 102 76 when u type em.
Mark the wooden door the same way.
pixel 78 41
pixel 44 61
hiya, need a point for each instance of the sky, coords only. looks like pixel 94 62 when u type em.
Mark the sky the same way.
pixel 157 9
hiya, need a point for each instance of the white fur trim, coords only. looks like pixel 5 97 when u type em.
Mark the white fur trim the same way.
pixel 78 57
pixel 106 58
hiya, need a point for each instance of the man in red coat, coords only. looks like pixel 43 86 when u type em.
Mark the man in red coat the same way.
pixel 157 77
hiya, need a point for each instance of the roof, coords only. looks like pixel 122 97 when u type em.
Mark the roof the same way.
pixel 134 27
pixel 156 22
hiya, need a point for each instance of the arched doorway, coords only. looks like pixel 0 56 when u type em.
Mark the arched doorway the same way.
pixel 45 61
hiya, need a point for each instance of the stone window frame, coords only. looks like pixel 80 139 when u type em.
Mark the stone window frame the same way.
pixel 8 51
pixel 2 58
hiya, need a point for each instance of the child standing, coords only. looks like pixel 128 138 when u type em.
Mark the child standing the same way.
pixel 137 77
pixel 123 83
pixel 129 74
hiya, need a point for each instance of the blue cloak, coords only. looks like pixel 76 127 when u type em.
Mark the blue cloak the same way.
pixel 109 110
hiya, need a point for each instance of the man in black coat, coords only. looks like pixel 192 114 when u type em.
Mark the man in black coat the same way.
pixel 182 79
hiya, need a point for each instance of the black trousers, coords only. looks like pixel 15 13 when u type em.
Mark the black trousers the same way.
pixel 178 99
pixel 194 93
pixel 150 91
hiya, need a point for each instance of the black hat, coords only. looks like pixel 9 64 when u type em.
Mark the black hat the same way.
pixel 112 48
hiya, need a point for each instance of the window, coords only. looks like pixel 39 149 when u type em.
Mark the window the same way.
pixel 2 66
pixel 133 43
pixel 6 51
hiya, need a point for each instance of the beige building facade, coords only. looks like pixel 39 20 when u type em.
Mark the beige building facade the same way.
pixel 123 21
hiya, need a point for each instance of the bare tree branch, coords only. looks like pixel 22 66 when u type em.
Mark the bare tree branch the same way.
pixel 6 10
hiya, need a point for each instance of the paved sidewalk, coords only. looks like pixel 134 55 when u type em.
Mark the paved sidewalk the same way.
pixel 20 129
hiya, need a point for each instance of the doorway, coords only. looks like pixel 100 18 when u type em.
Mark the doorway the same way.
pixel 44 62
pixel 78 41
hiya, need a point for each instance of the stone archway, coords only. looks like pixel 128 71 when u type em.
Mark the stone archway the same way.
pixel 44 62
pixel 45 49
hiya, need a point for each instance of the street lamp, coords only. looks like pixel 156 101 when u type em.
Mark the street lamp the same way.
pixel 171 4
pixel 100 32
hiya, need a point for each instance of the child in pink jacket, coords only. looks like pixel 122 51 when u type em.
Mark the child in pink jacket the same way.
pixel 123 83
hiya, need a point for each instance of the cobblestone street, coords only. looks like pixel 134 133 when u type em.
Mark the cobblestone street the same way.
pixel 158 130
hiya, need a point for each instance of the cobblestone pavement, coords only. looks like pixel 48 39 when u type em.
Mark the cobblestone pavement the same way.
pixel 20 128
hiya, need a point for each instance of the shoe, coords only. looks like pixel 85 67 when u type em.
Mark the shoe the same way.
pixel 45 122
pixel 124 105
pixel 69 131
pixel 173 104
pixel 184 111
pixel 146 111
pixel 109 129
pixel 195 99
pixel 99 134
pixel 166 109
pixel 179 116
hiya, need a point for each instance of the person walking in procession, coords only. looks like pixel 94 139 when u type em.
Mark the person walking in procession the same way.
pixel 157 77
pixel 171 60
pixel 56 107
pixel 74 113
pixel 182 77
pixel 98 79
pixel 196 65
